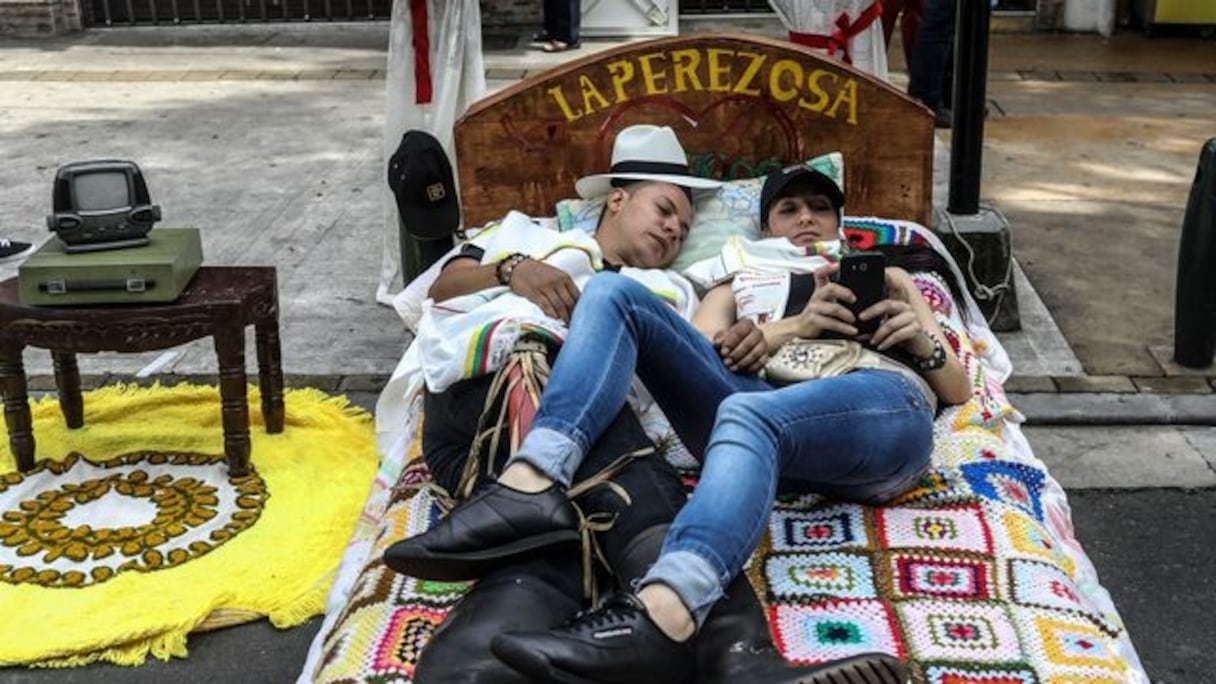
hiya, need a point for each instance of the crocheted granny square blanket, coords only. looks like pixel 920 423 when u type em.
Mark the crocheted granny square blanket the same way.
pixel 973 577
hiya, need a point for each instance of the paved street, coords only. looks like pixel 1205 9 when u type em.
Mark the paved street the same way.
pixel 269 139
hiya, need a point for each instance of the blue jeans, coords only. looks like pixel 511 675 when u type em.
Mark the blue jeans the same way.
pixel 864 436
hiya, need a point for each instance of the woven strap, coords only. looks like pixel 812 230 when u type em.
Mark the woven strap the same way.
pixel 510 405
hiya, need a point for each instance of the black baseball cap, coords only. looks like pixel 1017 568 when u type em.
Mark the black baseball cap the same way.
pixel 776 183
pixel 420 177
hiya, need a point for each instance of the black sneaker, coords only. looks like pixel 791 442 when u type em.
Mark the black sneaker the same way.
pixel 13 249
pixel 617 643
pixel 498 525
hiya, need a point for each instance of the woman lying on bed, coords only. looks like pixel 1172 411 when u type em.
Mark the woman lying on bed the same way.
pixel 863 436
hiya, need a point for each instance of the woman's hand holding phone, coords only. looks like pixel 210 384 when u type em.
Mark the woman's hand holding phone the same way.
pixel 899 326
pixel 828 310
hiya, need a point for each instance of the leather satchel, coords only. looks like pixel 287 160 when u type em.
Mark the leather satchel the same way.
pixel 806 359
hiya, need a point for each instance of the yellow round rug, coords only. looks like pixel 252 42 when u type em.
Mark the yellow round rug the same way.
pixel 129 534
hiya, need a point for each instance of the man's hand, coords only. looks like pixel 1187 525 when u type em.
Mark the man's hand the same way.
pixel 545 286
pixel 742 347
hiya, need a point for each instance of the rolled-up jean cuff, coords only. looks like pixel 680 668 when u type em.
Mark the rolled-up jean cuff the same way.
pixel 692 577
pixel 552 452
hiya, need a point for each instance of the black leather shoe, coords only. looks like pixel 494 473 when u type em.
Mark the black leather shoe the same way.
pixel 867 668
pixel 734 645
pixel 514 598
pixel 496 526
pixel 616 644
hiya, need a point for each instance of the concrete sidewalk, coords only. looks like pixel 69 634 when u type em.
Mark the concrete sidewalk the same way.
pixel 284 123
pixel 269 138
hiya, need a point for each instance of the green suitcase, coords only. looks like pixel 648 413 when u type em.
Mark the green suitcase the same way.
pixel 156 272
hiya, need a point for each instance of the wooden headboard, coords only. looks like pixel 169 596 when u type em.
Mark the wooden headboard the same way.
pixel 741 105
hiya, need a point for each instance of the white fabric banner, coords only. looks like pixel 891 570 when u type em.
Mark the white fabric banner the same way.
pixel 866 48
pixel 458 79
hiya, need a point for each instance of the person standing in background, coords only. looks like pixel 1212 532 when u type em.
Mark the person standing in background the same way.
pixel 562 20
pixel 907 13
pixel 929 59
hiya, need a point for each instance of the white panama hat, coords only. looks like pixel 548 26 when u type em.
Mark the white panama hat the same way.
pixel 641 153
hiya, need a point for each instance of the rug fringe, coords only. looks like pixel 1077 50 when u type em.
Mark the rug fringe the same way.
pixel 162 647
pixel 312 480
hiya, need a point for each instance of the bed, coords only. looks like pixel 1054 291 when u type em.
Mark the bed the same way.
pixel 973 577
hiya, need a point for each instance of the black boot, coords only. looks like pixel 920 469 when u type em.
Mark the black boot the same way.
pixel 734 645
pixel 528 596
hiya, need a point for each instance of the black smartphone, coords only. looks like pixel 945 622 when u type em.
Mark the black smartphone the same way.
pixel 863 274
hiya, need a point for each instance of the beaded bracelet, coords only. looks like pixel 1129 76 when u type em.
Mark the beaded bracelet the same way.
pixel 506 268
pixel 936 359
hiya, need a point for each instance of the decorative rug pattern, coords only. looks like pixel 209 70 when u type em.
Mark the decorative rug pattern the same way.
pixel 972 577
pixel 136 508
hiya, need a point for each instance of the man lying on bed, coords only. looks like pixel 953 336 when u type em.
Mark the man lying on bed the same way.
pixel 520 281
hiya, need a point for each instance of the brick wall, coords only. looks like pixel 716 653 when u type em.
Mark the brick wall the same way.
pixel 39 17
pixel 499 13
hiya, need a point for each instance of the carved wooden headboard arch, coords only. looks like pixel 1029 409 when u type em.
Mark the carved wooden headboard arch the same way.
pixel 740 104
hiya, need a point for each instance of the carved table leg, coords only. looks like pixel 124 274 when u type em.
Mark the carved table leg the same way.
pixel 67 379
pixel 230 350
pixel 270 373
pixel 16 405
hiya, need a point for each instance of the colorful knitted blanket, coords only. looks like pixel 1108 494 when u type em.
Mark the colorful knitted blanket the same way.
pixel 973 577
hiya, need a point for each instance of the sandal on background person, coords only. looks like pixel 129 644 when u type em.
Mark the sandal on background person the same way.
pixel 558 46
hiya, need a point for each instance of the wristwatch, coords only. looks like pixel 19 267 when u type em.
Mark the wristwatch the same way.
pixel 936 359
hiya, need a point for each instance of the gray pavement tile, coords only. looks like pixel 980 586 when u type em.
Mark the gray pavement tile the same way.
pixel 354 74
pixel 1117 409
pixel 1078 76
pixel 84 76
pixel 1174 385
pixel 328 383
pixel 140 76
pixel 1165 356
pixel 1095 383
pixel 505 74
pixel 1118 77
pixel 316 74
pixel 1204 441
pixel 1120 457
pixel 1039 75
pixel 1187 78
pixel 203 75
pixel 1025 384
pixel 240 75
pixel 363 383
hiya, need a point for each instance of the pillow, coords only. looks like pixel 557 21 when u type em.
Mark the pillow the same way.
pixel 733 209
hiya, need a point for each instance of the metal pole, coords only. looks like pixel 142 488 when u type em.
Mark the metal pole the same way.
pixel 1195 295
pixel 970 92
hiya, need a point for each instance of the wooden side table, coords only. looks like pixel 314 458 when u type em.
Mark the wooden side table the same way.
pixel 219 302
